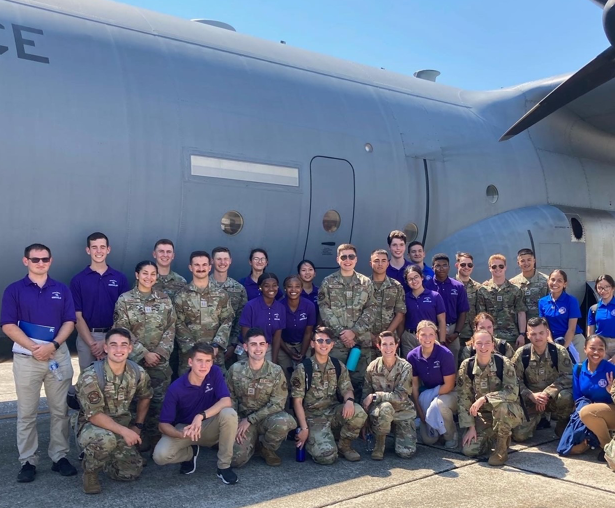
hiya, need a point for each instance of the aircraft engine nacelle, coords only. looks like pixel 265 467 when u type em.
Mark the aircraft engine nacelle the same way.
pixel 608 21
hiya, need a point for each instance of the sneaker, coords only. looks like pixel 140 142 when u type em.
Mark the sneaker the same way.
pixel 452 444
pixel 189 466
pixel 26 473
pixel 599 458
pixel 64 467
pixel 227 476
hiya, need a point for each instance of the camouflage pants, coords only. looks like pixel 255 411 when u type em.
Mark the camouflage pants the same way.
pixel 161 378
pixel 321 441
pixel 505 417
pixel 407 343
pixel 382 415
pixel 105 450
pixel 562 407
pixel 273 430
pixel 358 375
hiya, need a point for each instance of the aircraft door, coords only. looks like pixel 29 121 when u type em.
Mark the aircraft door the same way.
pixel 332 192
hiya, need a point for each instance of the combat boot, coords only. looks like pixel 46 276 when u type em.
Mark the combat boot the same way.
pixel 560 426
pixel 270 456
pixel 345 448
pixel 500 454
pixel 378 453
pixel 91 483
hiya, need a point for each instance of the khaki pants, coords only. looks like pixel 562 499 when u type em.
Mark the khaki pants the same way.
pixel 287 363
pixel 83 350
pixel 220 429
pixel 407 343
pixel 579 343
pixel 599 418
pixel 454 346
pixel 30 374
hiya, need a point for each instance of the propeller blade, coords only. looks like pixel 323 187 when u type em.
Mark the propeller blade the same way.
pixel 597 72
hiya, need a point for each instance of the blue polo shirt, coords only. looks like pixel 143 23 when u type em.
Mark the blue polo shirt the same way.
pixel 298 321
pixel 398 275
pixel 95 295
pixel 428 273
pixel 604 319
pixel 558 312
pixel 312 297
pixel 431 370
pixel 257 314
pixel 183 400
pixel 253 290
pixel 426 306
pixel 52 305
pixel 454 295
pixel 594 385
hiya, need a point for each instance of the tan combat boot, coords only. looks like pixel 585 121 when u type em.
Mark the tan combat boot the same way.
pixel 500 454
pixel 378 453
pixel 345 448
pixel 91 484
pixel 270 456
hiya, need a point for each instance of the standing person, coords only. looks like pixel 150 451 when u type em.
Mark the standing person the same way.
pixel 601 316
pixel 107 433
pixel 307 274
pixel 416 252
pixel 544 371
pixel 266 313
pixel 465 267
pixel 421 304
pixel 455 299
pixel 562 312
pixel 488 399
pixel 204 313
pixel 397 267
pixel 237 293
pixel 347 306
pixel 198 411
pixel 485 321
pixel 388 388
pixel 38 315
pixel 531 282
pixel 258 391
pixel 434 368
pixel 318 384
pixel 504 301
pixel 168 281
pixel 300 323
pixel 95 291
pixel 390 309
pixel 259 259
pixel 149 316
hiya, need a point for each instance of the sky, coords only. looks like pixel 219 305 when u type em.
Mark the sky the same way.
pixel 475 44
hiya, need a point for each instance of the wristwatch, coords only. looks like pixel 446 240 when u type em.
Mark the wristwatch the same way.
pixel 138 425
pixel 56 344
pixel 204 415
pixel 351 399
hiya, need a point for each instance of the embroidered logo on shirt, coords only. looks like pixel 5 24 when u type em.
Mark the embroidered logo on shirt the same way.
pixel 602 383
pixel 562 310
pixel 276 317
pixel 427 299
pixel 208 388
pixel 454 292
pixel 302 316
pixel 613 312
pixel 436 364
pixel 56 295
pixel 113 283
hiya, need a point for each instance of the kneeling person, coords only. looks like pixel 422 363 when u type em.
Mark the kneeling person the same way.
pixel 258 392
pixel 105 391
pixel 388 384
pixel 316 384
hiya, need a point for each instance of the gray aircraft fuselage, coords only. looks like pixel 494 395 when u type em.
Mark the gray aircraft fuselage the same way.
pixel 144 126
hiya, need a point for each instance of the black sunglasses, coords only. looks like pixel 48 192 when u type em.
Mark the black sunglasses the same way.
pixel 344 257
pixel 469 265
pixel 323 341
pixel 501 267
pixel 38 260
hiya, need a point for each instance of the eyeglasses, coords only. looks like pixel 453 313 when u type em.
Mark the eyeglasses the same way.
pixel 469 265
pixel 323 341
pixel 603 288
pixel 38 260
pixel 501 267
pixel 344 257
pixel 259 260
pixel 440 267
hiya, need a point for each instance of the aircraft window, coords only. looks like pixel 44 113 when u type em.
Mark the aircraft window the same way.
pixel 492 193
pixel 331 221
pixel 369 148
pixel 215 167
pixel 577 228
pixel 231 223
pixel 412 231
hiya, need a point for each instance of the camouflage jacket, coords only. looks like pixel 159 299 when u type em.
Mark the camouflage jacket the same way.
pixel 503 303
pixel 170 284
pixel 348 306
pixel 203 315
pixel 390 299
pixel 472 288
pixel 394 386
pixel 239 297
pixel 151 321
pixel 257 394
pixel 533 290
pixel 486 382
pixel 541 375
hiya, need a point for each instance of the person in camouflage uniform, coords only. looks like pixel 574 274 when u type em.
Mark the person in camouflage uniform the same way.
pixel 222 260
pixel 168 281
pixel 150 317
pixel 465 266
pixel 488 406
pixel 531 282
pixel 347 306
pixel 390 308
pixel 504 301
pixel 204 313
pixel 543 385
pixel 318 409
pixel 388 389
pixel 258 390
pixel 105 433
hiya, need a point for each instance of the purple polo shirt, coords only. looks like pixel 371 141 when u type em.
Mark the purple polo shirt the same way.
pixel 398 275
pixel 431 371
pixel 454 295
pixel 253 290
pixel 312 297
pixel 256 313
pixel 298 321
pixel 427 306
pixel 183 401
pixel 95 295
pixel 50 305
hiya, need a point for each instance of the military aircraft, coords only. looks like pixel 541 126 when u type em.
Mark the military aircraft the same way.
pixel 145 126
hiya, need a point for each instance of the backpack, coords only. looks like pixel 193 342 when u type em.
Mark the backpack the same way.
pixel 499 367
pixel 527 351
pixel 307 365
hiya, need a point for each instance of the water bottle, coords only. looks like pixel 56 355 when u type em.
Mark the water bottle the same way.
pixel 370 442
pixel 239 349
pixel 353 358
pixel 55 368
pixel 300 452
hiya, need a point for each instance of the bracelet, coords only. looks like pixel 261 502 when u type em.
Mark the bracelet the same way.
pixel 56 344
pixel 351 399
pixel 204 415
pixel 138 425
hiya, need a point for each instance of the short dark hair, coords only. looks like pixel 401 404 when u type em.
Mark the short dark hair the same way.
pixel 164 241
pixel 221 249
pixel 35 246
pixel 291 277
pixel 304 262
pixel 412 244
pixel 396 234
pixel 201 347
pixel 324 330
pixel 254 251
pixel 145 263
pixel 460 255
pixel 537 321
pixel 97 236
pixel 346 246
pixel 200 254
pixel 381 252
pixel 440 257
pixel 386 334
pixel 526 252
pixel 253 332
pixel 413 268
pixel 596 336
pixel 267 275
pixel 118 331
pixel 561 272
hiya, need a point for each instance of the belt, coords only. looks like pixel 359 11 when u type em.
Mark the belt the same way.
pixel 413 332
pixel 293 343
pixel 100 330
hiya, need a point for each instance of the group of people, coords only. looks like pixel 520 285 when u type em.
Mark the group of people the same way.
pixel 168 366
